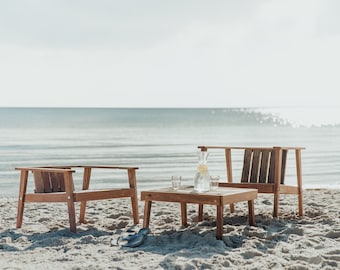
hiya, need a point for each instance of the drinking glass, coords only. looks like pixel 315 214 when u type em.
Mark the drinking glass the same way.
pixel 176 182
pixel 214 180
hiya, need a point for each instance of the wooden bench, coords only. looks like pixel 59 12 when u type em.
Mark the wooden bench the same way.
pixel 55 184
pixel 264 169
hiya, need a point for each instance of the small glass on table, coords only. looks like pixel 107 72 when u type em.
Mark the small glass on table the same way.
pixel 176 182
pixel 214 180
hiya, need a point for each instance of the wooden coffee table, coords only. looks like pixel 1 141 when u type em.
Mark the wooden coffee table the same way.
pixel 219 197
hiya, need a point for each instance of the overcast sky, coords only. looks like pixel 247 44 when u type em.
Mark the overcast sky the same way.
pixel 108 53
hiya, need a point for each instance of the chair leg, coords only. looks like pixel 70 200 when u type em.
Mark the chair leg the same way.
pixel 147 211
pixel 70 201
pixel 277 179
pixel 72 215
pixel 22 193
pixel 300 200
pixel 276 204
pixel 134 203
pixel 134 198
pixel 299 180
pixel 86 184
pixel 82 212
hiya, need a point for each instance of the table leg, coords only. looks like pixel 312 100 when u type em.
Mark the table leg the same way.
pixel 219 222
pixel 251 213
pixel 147 210
pixel 200 212
pixel 184 213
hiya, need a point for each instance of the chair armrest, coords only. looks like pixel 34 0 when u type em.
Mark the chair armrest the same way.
pixel 42 169
pixel 97 167
pixel 105 167
pixel 205 148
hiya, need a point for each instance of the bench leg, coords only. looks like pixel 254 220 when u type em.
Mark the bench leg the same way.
pixel 147 210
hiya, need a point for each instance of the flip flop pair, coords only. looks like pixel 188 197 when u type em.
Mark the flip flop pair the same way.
pixel 133 240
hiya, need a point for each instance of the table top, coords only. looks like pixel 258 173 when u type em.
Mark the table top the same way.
pixel 220 191
pixel 222 195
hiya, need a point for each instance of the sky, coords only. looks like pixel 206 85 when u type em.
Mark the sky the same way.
pixel 187 53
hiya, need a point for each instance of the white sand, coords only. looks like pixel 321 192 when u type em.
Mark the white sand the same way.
pixel 45 242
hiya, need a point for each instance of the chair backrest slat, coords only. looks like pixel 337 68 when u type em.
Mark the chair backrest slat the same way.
pixel 271 173
pixel 248 154
pixel 283 166
pixel 259 166
pixel 255 167
pixel 47 182
pixel 264 168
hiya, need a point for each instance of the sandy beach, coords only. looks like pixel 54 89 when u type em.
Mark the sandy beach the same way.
pixel 289 242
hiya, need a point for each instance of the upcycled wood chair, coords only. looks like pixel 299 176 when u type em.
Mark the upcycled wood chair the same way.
pixel 264 169
pixel 55 184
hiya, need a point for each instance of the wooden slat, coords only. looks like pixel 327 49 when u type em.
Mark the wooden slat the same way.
pixel 283 166
pixel 289 189
pixel 46 197
pixel 47 182
pixel 42 182
pixel 246 165
pixel 57 182
pixel 271 173
pixel 255 167
pixel 90 195
pixel 261 187
pixel 46 169
pixel 264 170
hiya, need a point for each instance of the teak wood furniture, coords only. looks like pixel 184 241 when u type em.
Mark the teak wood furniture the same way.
pixel 184 195
pixel 55 184
pixel 264 169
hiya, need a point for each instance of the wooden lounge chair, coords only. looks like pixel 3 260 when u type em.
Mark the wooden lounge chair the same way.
pixel 263 169
pixel 55 184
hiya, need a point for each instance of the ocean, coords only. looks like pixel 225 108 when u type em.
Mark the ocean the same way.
pixel 163 141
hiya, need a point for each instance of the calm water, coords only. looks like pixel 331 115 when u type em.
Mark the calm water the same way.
pixel 163 142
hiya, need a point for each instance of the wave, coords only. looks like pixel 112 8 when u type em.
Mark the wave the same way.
pixel 302 116
pixel 161 117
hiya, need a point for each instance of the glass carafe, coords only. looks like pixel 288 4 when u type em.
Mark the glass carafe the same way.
pixel 202 178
